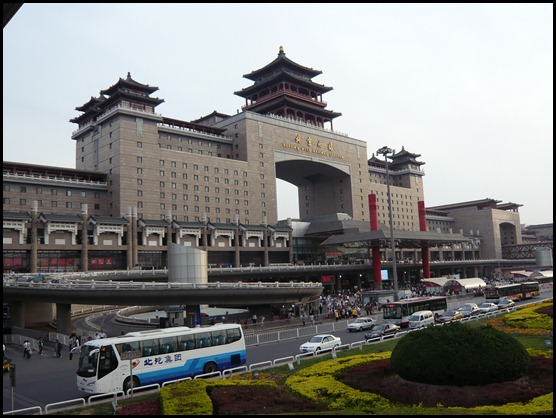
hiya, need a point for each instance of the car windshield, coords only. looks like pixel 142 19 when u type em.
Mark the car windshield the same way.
pixel 315 339
pixel 448 313
pixel 379 328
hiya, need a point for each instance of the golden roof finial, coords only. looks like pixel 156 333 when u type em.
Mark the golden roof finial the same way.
pixel 281 49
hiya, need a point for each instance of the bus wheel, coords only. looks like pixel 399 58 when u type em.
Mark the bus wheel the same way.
pixel 128 385
pixel 210 367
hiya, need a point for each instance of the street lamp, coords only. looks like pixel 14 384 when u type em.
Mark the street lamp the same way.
pixel 385 151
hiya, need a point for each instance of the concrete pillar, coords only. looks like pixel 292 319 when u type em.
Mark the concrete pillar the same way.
pixel 130 240
pixel 134 236
pixel 34 236
pixel 85 239
pixel 17 313
pixel 237 261
pixel 424 244
pixel 63 318
pixel 266 261
pixel 375 246
pixel 290 239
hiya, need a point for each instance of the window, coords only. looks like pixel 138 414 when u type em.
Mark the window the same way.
pixel 23 189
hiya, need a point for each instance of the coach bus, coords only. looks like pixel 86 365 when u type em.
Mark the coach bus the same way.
pixel 399 312
pixel 513 291
pixel 156 356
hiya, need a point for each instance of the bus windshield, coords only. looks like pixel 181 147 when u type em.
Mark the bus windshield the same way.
pixel 88 361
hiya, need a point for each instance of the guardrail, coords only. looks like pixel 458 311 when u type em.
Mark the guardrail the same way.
pixel 131 285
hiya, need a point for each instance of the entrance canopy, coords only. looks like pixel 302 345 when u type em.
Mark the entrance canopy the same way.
pixel 403 239
pixel 457 286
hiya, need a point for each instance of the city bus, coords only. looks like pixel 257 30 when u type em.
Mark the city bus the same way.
pixel 399 312
pixel 156 356
pixel 513 291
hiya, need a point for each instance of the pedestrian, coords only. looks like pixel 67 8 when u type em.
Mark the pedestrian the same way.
pixel 254 319
pixel 41 346
pixel 58 349
pixel 262 320
pixel 72 344
pixel 26 349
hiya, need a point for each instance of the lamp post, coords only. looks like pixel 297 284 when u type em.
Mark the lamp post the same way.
pixel 385 151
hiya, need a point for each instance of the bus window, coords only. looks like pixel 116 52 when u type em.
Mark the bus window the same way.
pixel 129 347
pixel 232 335
pixel 218 338
pixel 203 340
pixel 186 342
pixel 150 348
pixel 167 345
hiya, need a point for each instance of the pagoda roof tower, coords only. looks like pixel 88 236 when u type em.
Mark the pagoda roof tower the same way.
pixel 126 92
pixel 285 88
pixel 400 160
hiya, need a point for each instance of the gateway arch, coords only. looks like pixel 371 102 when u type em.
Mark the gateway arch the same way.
pixel 324 186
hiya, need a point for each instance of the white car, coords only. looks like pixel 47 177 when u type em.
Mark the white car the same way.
pixel 487 307
pixel 362 323
pixel 320 342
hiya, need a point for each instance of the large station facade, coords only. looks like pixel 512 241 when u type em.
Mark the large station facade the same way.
pixel 143 180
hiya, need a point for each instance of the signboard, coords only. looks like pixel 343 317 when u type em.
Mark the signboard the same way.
pixel 130 355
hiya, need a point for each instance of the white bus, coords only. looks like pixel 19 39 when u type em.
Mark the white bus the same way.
pixel 155 356
pixel 399 312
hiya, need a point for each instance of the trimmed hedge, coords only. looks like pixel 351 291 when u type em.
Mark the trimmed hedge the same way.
pixel 455 354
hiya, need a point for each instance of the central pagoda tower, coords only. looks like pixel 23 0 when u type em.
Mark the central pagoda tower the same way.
pixel 284 88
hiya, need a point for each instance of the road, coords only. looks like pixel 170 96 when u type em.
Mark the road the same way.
pixel 45 379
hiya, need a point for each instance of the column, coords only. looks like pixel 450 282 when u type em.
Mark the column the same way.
pixel 63 318
pixel 130 240
pixel 375 245
pixel 424 245
pixel 135 255
pixel 34 236
pixel 84 238
pixel 265 242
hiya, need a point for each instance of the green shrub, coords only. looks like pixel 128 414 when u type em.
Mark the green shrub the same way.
pixel 455 354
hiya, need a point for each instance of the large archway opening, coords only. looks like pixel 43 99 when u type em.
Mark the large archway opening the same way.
pixel 322 188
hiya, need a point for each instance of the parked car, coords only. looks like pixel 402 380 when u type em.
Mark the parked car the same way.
pixel 506 303
pixel 362 323
pixel 469 309
pixel 382 330
pixel 320 342
pixel 487 307
pixel 449 315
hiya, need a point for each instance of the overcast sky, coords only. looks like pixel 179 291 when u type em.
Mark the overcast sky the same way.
pixel 469 87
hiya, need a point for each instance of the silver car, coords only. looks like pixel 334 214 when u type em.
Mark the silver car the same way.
pixel 320 342
pixel 362 323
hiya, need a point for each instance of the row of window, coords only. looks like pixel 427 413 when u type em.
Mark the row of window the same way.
pixel 168 345
pixel 53 192
pixel 53 203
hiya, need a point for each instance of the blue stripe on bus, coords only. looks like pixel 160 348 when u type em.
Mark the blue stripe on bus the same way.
pixel 191 368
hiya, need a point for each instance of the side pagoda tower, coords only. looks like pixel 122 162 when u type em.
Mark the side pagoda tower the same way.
pixel 285 88
pixel 125 94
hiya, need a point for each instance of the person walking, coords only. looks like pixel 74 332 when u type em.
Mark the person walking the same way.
pixel 58 349
pixel 26 349
pixel 41 346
